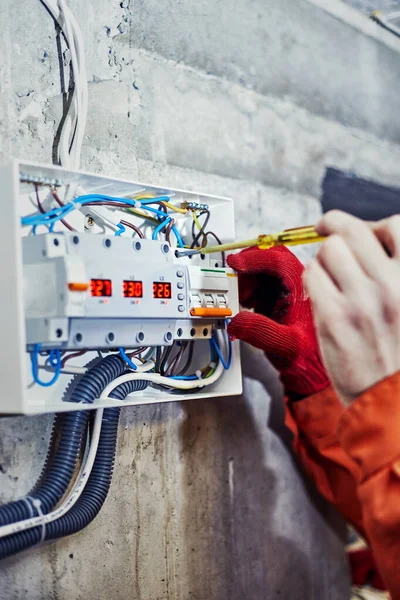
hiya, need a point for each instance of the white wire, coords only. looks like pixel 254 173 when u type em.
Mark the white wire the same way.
pixel 180 384
pixel 74 494
pixel 152 377
pixel 75 120
pixel 81 88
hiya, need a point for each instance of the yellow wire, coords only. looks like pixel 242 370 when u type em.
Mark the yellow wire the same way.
pixel 176 209
pixel 183 211
pixel 196 221
pixel 139 213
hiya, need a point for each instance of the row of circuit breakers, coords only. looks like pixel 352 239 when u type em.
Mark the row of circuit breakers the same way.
pixel 97 291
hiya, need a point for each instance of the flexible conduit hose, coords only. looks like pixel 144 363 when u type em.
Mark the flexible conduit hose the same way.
pixel 55 480
pixel 95 492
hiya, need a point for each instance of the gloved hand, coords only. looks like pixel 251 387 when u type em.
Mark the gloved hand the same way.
pixel 270 282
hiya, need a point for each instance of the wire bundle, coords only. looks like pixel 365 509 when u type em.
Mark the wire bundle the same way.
pixel 73 127
pixel 59 213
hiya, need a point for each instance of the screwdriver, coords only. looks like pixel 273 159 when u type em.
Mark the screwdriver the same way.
pixel 289 237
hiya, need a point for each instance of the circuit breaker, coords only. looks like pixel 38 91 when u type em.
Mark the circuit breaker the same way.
pixel 98 292
pixel 91 267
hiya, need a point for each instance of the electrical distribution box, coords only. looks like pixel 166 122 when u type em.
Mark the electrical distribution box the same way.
pixel 94 286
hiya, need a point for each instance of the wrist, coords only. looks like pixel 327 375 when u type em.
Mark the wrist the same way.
pixel 304 379
pixel 368 430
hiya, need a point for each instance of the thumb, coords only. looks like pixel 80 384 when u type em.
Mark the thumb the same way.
pixel 263 333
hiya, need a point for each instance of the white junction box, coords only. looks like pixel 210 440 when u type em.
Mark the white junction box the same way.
pixel 107 277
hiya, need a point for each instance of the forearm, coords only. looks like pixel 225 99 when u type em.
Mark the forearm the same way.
pixel 313 422
pixel 370 433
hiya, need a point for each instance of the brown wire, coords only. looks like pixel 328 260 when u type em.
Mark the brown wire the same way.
pixel 40 207
pixel 134 227
pixel 72 355
pixel 188 361
pixel 168 231
pixel 175 361
pixel 216 238
pixel 118 205
pixel 61 203
pixel 201 233
pixel 137 352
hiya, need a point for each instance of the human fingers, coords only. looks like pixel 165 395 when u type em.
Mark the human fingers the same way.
pixel 360 238
pixel 388 233
pixel 276 262
pixel 261 332
pixel 339 262
pixel 323 293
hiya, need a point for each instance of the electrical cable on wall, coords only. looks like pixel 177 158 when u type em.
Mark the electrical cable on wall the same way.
pixel 73 129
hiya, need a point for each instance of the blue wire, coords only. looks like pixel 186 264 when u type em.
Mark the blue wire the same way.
pixel 55 362
pixel 180 241
pixel 127 359
pixel 215 352
pixel 54 358
pixel 154 200
pixel 56 214
pixel 43 220
pixel 226 365
pixel 160 227
pixel 121 229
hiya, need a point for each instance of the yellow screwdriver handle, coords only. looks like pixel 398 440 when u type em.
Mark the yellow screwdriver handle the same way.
pixel 290 237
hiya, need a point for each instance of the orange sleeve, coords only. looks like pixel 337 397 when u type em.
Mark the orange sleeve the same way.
pixel 313 422
pixel 369 431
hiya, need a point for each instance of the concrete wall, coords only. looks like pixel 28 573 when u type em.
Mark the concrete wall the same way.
pixel 251 100
pixel 369 5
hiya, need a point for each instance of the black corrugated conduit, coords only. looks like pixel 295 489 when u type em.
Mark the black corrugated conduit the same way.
pixel 55 481
pixel 95 492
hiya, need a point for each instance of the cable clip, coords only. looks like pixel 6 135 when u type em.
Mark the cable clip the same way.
pixel 35 503
pixel 38 505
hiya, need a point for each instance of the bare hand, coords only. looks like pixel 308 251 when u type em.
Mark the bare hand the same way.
pixel 354 287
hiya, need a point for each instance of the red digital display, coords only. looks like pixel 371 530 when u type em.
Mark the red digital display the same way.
pixel 132 289
pixel 161 289
pixel 101 287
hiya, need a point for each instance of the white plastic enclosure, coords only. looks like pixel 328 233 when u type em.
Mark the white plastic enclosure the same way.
pixel 33 268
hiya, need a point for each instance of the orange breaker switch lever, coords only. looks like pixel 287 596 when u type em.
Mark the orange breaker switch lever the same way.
pixel 211 312
pixel 78 286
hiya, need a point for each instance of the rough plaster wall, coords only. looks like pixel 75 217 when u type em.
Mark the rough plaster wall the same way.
pixel 248 101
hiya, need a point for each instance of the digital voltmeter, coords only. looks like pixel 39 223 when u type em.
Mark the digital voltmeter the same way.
pixel 162 289
pixel 132 289
pixel 101 287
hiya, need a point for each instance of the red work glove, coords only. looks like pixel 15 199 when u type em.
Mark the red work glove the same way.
pixel 270 282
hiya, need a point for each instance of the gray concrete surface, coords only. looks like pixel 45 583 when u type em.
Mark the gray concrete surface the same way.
pixel 251 100
pixel 369 5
